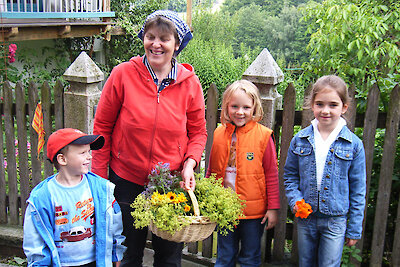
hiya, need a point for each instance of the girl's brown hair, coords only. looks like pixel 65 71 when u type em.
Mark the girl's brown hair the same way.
pixel 329 82
pixel 251 90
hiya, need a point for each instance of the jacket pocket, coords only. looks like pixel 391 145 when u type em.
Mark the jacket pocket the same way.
pixel 302 151
pixel 343 159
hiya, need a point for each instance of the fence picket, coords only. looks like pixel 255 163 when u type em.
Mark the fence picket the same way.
pixel 22 145
pixel 46 105
pixel 350 115
pixel 385 178
pixel 289 105
pixel 207 247
pixel 211 118
pixel 370 122
pixel 3 194
pixel 306 114
pixel 59 105
pixel 11 160
pixel 35 162
pixel 396 243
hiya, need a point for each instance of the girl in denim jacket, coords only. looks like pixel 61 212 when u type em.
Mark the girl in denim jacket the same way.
pixel 325 166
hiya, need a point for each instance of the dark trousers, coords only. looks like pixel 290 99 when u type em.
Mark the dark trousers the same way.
pixel 166 253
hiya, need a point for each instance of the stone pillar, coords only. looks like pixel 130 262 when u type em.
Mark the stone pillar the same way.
pixel 265 73
pixel 83 94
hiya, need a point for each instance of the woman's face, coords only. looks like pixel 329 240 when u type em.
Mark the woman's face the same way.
pixel 159 47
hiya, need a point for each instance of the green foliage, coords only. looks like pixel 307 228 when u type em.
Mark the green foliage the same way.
pixel 273 7
pixel 283 34
pixel 215 63
pixel 358 40
pixel 180 5
pixel 348 253
pixel 47 64
pixel 221 205
pixel 211 53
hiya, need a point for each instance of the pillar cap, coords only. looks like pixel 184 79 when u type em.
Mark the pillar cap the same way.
pixel 264 70
pixel 83 70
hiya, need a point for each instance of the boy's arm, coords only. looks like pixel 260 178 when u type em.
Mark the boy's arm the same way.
pixel 118 248
pixel 35 249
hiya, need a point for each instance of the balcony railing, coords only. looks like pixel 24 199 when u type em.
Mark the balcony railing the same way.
pixel 33 9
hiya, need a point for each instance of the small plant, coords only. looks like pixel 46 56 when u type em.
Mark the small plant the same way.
pixel 348 253
pixel 168 206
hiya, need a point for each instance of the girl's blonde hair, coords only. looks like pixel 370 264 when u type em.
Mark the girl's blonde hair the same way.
pixel 251 90
pixel 329 82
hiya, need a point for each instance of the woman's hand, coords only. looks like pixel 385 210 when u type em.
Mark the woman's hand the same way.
pixel 188 174
pixel 271 217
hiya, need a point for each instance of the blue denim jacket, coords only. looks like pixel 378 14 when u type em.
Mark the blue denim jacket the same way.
pixel 343 185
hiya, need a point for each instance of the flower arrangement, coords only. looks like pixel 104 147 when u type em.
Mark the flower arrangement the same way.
pixel 303 209
pixel 168 206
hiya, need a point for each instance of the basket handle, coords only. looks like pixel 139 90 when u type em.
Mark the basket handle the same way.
pixel 194 202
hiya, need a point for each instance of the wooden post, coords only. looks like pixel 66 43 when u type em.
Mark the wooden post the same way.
pixel 189 13
pixel 287 134
pixel 370 123
pixel 385 178
pixel 11 158
pixel 22 145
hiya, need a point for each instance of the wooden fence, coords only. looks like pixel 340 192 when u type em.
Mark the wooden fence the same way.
pixel 24 170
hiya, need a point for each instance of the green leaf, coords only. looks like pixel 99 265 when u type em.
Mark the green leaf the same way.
pixel 360 54
pixel 350 47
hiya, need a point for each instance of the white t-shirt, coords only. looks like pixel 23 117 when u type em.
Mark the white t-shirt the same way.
pixel 74 222
pixel 322 147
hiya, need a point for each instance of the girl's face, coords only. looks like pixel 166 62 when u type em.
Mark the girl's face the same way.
pixel 240 108
pixel 159 47
pixel 327 108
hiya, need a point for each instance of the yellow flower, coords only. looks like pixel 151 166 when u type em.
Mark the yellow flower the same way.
pixel 180 198
pixel 156 198
pixel 171 196
pixel 187 208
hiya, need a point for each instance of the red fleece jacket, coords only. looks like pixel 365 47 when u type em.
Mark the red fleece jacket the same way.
pixel 142 128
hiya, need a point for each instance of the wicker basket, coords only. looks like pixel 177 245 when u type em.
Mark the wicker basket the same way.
pixel 199 229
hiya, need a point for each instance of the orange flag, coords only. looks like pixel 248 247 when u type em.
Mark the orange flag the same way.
pixel 37 125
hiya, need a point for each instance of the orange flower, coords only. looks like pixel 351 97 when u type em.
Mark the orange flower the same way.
pixel 187 208
pixel 303 209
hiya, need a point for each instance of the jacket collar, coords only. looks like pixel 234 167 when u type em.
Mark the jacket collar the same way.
pixel 345 133
pixel 244 129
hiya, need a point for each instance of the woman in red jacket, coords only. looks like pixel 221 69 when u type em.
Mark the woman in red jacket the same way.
pixel 151 110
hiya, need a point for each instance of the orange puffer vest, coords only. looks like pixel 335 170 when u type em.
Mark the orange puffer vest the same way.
pixel 252 141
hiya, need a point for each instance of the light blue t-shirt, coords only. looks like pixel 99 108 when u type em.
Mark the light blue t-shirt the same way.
pixel 74 222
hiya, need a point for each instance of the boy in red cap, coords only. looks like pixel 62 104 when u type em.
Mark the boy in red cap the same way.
pixel 72 218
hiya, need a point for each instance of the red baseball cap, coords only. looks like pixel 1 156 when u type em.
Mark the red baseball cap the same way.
pixel 63 137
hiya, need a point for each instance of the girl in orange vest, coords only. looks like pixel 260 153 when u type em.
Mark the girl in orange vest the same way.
pixel 243 154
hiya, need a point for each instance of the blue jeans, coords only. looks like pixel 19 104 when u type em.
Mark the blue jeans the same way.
pixel 321 240
pixel 166 253
pixel 248 233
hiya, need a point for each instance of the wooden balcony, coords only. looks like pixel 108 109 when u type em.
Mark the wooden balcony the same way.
pixel 50 19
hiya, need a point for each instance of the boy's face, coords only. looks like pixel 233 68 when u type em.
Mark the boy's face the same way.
pixel 77 159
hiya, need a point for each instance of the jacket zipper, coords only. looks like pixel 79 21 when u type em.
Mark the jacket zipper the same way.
pixel 153 132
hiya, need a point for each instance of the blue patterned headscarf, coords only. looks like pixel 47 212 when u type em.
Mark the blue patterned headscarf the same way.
pixel 182 28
